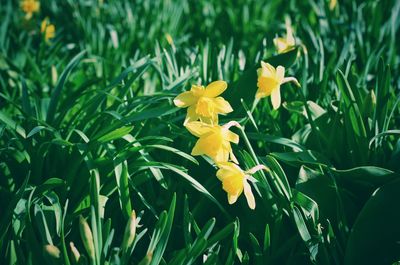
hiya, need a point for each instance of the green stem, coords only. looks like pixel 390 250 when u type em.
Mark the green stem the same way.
pixel 254 156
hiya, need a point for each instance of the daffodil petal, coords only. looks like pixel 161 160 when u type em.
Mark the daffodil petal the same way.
pixel 222 106
pixel 260 94
pixel 280 44
pixel 215 89
pixel 197 91
pixel 276 98
pixel 185 99
pixel 222 173
pixel 231 136
pixel 280 73
pixel 249 195
pixel 267 70
pixel 197 149
pixel 191 115
pixel 233 157
pixel 209 120
pixel 230 167
pixel 203 146
pixel 222 155
pixel 232 198
pixel 290 40
pixel 197 128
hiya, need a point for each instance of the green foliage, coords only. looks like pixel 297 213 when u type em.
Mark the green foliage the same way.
pixel 91 143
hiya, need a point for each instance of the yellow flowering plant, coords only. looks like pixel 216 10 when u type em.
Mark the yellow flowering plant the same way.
pixel 269 83
pixel 47 29
pixel 30 7
pixel 214 141
pixel 203 103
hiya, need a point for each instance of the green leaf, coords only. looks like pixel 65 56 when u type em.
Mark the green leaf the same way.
pixel 12 124
pixel 122 179
pixel 277 140
pixel 55 97
pixel 113 135
pixel 299 158
pixel 6 216
pixel 375 235
pixel 383 134
pixel 281 182
pixel 352 108
pixel 164 234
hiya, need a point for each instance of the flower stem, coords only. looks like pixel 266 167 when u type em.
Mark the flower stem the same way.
pixel 253 155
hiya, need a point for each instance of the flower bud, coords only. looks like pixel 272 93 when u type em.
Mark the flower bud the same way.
pixel 75 253
pixel 130 232
pixel 87 237
pixel 52 251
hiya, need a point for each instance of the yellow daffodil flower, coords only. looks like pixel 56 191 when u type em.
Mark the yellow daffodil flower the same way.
pixel 214 140
pixel 203 103
pixel 234 182
pixel 30 7
pixel 269 83
pixel 48 29
pixel 288 42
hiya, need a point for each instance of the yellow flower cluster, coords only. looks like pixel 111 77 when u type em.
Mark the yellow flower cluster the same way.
pixel 46 28
pixel 204 104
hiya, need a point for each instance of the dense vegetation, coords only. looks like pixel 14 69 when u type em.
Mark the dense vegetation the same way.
pixel 95 158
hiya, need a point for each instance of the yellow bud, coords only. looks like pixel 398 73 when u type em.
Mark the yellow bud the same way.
pixel 54 75
pixel 75 253
pixel 373 97
pixel 130 232
pixel 87 237
pixel 52 251
pixel 169 39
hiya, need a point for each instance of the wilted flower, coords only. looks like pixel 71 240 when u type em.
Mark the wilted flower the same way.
pixel 234 182
pixel 204 103
pixel 47 29
pixel 269 82
pixel 214 141
pixel 288 42
pixel 30 7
